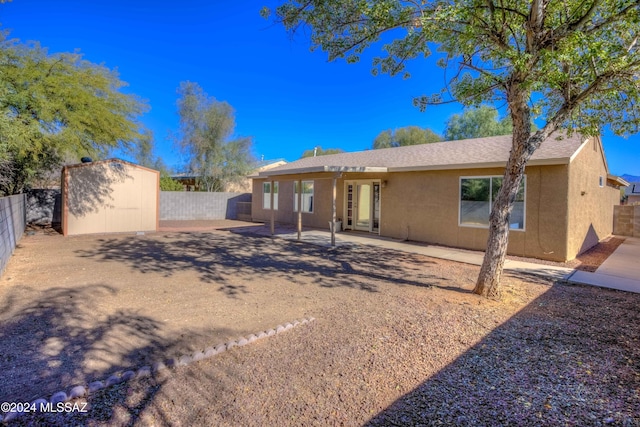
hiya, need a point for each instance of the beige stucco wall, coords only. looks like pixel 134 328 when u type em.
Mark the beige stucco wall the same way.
pixel 424 206
pixel 109 197
pixel 322 206
pixel 591 205
pixel 433 217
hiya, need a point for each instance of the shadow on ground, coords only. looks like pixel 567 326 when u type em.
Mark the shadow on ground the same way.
pixel 227 259
pixel 571 357
pixel 60 339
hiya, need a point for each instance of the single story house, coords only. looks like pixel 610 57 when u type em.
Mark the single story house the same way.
pixel 109 196
pixel 633 193
pixel 442 193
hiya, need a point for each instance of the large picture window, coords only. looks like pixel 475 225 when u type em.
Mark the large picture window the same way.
pixel 477 195
pixel 266 195
pixel 307 196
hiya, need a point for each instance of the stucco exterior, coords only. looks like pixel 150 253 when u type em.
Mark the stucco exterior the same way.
pixel 566 211
pixel 109 196
pixel 591 199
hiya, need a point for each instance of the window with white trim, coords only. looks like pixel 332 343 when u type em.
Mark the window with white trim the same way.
pixel 307 196
pixel 477 195
pixel 266 195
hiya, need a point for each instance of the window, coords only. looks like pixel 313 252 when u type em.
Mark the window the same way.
pixel 307 196
pixel 601 182
pixel 266 195
pixel 476 198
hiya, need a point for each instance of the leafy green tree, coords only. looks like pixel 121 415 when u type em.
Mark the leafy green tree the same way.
pixel 206 137
pixel 476 123
pixel 319 151
pixel 574 64
pixel 143 153
pixel 56 105
pixel 169 184
pixel 409 135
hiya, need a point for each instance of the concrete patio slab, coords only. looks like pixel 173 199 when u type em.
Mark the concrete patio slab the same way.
pixel 605 281
pixel 625 261
pixel 620 271
pixel 323 238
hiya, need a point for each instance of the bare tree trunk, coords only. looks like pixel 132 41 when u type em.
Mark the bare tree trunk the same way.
pixel 488 283
pixel 523 146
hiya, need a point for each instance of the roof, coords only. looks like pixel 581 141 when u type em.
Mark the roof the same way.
pixel 265 163
pixel 633 189
pixel 617 180
pixel 462 154
pixel 105 161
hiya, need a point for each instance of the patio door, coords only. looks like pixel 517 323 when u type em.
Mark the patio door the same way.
pixel 362 206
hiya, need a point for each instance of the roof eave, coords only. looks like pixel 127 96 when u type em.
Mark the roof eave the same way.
pixel 485 165
pixel 317 169
pixel 617 180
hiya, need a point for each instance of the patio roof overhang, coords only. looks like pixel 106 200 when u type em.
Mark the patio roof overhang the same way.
pixel 616 180
pixel 323 170
pixel 327 171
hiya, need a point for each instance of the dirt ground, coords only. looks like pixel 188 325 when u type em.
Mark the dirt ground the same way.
pixel 399 339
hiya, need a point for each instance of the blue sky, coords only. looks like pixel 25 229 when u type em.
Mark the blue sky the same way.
pixel 286 97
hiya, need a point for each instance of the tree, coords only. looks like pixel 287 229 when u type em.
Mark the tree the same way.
pixel 409 135
pixel 206 137
pixel 476 123
pixel 144 156
pixel 143 153
pixel 574 64
pixel 169 184
pixel 54 106
pixel 319 151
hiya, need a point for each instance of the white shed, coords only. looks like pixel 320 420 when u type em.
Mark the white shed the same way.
pixel 109 196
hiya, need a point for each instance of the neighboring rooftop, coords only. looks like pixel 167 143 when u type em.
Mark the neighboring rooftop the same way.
pixel 633 189
pixel 266 163
pixel 463 154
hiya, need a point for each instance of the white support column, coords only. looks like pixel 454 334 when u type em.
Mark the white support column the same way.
pixel 273 212
pixel 333 212
pixel 299 209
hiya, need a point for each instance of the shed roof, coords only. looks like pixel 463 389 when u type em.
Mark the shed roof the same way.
pixel 462 154
pixel 106 161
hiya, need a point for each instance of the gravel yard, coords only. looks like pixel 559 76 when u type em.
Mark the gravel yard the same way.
pixel 398 338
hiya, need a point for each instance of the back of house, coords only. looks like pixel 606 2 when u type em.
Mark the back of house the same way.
pixel 442 193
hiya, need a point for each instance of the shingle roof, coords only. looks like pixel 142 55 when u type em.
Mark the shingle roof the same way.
pixel 463 154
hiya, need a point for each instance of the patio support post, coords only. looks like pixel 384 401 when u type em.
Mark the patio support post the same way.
pixel 273 212
pixel 333 213
pixel 299 209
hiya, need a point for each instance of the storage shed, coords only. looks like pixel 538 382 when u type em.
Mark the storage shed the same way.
pixel 109 196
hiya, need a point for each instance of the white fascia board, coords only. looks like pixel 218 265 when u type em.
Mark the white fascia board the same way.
pixel 486 165
pixel 317 169
pixel 575 154
pixel 619 180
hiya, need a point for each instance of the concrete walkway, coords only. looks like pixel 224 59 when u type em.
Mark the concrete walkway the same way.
pixel 323 238
pixel 620 271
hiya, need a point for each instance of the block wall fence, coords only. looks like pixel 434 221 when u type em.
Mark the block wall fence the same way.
pixel 187 205
pixel 12 224
pixel 626 220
